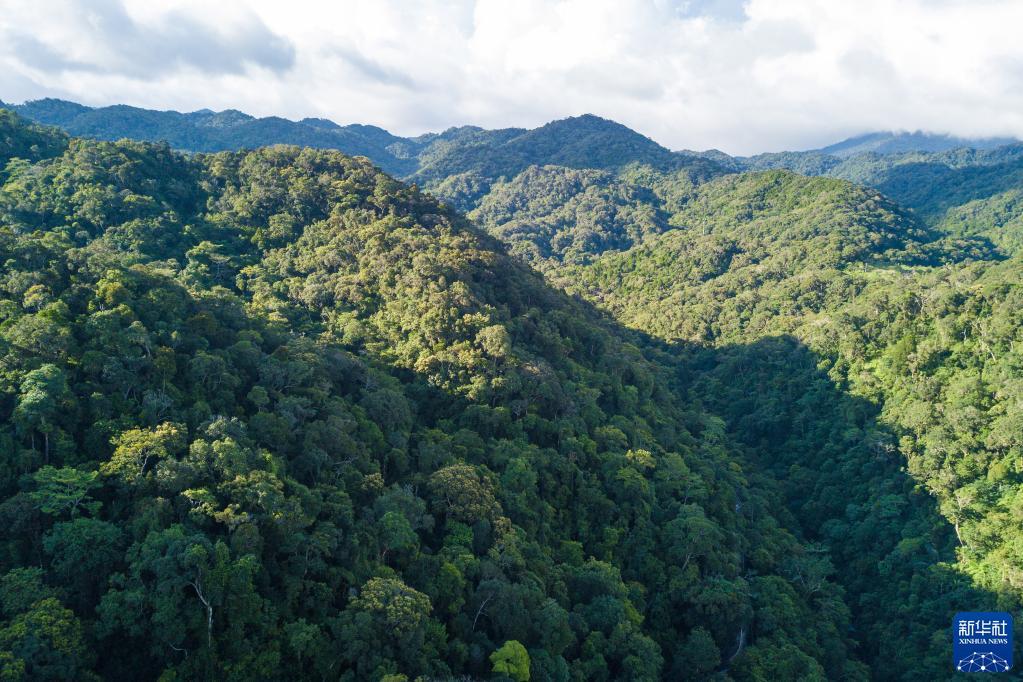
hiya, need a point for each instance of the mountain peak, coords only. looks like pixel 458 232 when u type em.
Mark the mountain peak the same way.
pixel 324 123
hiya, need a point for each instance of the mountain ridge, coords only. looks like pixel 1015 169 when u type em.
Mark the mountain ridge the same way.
pixel 888 142
pixel 413 157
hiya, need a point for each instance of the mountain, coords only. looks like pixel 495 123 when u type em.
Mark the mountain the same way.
pixel 963 192
pixel 580 142
pixel 735 425
pixel 29 142
pixel 775 286
pixel 752 249
pixel 898 142
pixel 462 168
pixel 577 142
pixel 459 165
pixel 964 187
pixel 208 131
pixel 771 287
pixel 276 415
pixel 554 213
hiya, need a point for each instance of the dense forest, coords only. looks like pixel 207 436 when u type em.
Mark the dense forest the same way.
pixel 641 414
pixel 275 415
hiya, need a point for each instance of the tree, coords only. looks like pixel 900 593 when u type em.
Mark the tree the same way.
pixel 137 450
pixel 20 588
pixel 396 533
pixel 47 642
pixel 397 608
pixel 464 494
pixel 387 628
pixel 512 660
pixel 691 535
pixel 44 396
pixel 84 552
pixel 181 590
pixel 65 490
pixel 697 657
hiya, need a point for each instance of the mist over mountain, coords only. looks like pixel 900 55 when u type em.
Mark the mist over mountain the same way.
pixel 893 143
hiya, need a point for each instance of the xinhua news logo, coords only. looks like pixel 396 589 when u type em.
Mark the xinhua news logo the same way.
pixel 982 642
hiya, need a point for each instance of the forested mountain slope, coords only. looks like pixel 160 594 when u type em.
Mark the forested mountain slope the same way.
pixel 462 172
pixel 275 415
pixel 29 142
pixel 750 248
pixel 208 131
pixel 803 460
pixel 962 192
pixel 773 279
pixel 553 213
pixel 458 165
pixel 962 186
pixel 782 295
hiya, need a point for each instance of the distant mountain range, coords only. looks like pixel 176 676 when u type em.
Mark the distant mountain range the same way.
pixel 928 173
pixel 578 142
pixel 209 131
pixel 899 142
pixel 583 142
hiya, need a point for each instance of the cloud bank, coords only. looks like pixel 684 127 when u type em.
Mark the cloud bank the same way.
pixel 740 76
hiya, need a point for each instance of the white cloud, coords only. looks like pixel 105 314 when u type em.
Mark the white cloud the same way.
pixel 743 77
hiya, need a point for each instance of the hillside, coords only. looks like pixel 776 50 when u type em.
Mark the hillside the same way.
pixel 208 131
pixel 462 171
pixel 276 415
pixel 553 213
pixel 967 191
pixel 762 388
pixel 458 165
pixel 962 186
pixel 776 287
pixel 29 142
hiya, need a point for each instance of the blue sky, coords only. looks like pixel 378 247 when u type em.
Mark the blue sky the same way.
pixel 742 76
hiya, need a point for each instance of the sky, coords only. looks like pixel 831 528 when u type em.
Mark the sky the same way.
pixel 740 76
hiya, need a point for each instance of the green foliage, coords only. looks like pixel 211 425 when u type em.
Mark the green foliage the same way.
pixel 64 490
pixel 511 660
pixel 462 164
pixel 207 131
pixel 19 140
pixel 45 642
pixel 137 450
pixel 568 215
pixel 778 290
pixel 274 415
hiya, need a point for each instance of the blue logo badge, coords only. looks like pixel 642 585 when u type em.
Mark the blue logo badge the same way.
pixel 982 642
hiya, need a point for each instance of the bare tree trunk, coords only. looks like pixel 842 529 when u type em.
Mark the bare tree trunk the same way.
pixel 480 611
pixel 209 611
pixel 740 643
